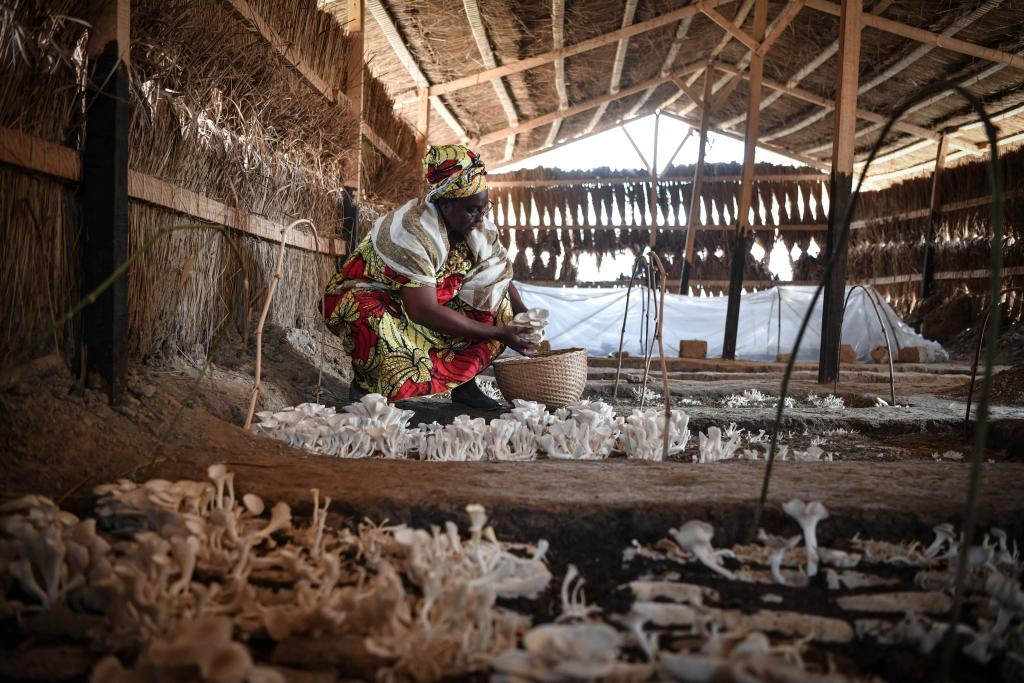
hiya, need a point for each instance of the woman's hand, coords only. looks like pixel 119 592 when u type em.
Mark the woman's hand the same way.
pixel 514 337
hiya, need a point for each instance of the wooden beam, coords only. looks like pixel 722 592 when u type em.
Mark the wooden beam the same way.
pixel 829 105
pixel 841 187
pixel 741 246
pixel 558 39
pixel 582 107
pixel 928 269
pixel 922 36
pixel 782 22
pixel 653 193
pixel 398 46
pixel 35 154
pixel 104 240
pixel 162 193
pixel 735 31
pixel 696 189
pixel 689 91
pixel 520 65
pixel 64 163
pixel 738 19
pixel 803 72
pixel 957 25
pixel 355 70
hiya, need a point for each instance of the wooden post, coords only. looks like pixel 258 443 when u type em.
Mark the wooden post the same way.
pixel 104 196
pixel 841 186
pixel 928 270
pixel 354 79
pixel 741 246
pixel 422 123
pixel 693 215
pixel 653 199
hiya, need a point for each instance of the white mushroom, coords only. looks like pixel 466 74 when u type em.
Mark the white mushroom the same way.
pixel 807 515
pixel 219 473
pixel 695 537
pixel 944 534
pixel 779 547
pixel 1007 599
pixel 253 503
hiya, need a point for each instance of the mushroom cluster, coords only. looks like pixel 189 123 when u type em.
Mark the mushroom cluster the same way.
pixel 183 575
pixel 536 319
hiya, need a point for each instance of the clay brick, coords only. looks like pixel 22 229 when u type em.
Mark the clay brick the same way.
pixel 913 354
pixel 783 357
pixel 880 354
pixel 847 354
pixel 693 348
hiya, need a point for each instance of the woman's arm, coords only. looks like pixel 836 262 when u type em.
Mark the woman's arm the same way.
pixel 517 301
pixel 422 308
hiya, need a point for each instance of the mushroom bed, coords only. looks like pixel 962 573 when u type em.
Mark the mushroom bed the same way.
pixel 176 570
pixel 194 580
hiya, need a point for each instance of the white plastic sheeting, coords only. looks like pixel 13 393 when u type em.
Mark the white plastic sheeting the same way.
pixel 769 321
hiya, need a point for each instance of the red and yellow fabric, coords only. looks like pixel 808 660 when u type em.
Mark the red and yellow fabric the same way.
pixel 391 355
pixel 453 171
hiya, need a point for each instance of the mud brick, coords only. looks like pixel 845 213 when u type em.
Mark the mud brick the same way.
pixel 693 348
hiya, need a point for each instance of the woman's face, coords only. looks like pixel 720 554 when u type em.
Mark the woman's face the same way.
pixel 464 215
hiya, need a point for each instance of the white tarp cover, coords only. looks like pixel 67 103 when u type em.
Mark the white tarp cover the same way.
pixel 768 325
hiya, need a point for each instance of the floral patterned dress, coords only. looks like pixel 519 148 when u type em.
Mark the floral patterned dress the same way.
pixel 391 355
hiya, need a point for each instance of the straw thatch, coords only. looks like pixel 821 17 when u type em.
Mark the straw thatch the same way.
pixel 215 109
pixel 38 215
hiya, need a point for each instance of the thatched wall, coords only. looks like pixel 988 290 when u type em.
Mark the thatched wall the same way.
pixel 217 110
pixel 38 215
pixel 892 243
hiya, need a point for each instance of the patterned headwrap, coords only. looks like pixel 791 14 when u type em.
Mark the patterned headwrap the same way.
pixel 453 171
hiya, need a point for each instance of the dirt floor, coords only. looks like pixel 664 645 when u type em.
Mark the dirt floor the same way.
pixel 896 470
pixel 62 440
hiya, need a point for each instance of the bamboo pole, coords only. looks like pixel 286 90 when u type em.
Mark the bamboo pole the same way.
pixel 740 249
pixel 841 186
pixel 652 200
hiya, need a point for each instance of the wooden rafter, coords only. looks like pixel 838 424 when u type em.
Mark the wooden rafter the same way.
pixel 620 60
pixel 955 27
pixel 741 16
pixel 731 28
pixel 923 36
pixel 582 107
pixel 725 86
pixel 829 105
pixel 803 72
pixel 476 26
pixel 519 65
pixel 500 181
pixel 397 43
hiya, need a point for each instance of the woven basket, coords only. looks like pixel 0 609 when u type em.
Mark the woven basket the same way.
pixel 554 378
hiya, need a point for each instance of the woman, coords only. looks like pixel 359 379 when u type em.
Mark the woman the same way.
pixel 423 303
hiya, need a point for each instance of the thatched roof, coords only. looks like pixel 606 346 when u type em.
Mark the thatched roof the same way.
pixel 441 42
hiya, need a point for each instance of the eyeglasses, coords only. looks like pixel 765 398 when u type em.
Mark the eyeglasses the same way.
pixel 478 211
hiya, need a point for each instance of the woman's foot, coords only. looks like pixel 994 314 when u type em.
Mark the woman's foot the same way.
pixel 355 393
pixel 470 394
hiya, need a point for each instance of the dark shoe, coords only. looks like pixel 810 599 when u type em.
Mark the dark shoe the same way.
pixel 355 393
pixel 469 394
